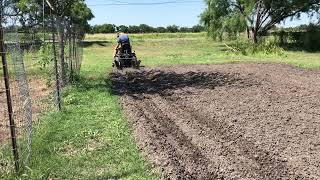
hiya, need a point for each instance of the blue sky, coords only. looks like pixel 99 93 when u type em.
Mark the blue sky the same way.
pixel 155 15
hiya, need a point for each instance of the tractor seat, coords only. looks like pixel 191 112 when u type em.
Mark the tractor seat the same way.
pixel 126 48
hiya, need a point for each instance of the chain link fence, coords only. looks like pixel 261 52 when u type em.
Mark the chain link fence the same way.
pixel 37 63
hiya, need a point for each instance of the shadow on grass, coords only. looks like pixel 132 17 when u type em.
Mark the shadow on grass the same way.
pixel 99 43
pixel 161 82
pixel 100 84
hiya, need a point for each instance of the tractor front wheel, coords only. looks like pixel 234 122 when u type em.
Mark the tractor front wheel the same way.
pixel 118 63
pixel 136 63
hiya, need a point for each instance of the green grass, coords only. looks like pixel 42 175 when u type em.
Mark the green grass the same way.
pixel 193 49
pixel 90 138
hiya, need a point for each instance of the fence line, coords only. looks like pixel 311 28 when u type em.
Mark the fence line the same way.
pixel 38 62
pixel 8 92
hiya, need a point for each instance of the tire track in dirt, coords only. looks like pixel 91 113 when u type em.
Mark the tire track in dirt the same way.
pixel 233 145
pixel 198 134
pixel 184 159
pixel 258 163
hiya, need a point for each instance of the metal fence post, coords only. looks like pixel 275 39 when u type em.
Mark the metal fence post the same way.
pixel 8 92
pixel 58 90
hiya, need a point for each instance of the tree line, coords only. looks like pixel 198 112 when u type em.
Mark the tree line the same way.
pixel 255 17
pixel 143 28
pixel 300 28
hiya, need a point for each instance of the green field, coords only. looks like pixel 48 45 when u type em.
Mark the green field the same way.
pixel 191 48
pixel 90 138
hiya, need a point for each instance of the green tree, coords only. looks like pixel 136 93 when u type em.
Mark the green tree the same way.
pixel 184 29
pixel 122 28
pixel 173 28
pixel 197 28
pixel 105 28
pixel 66 13
pixel 134 29
pixel 80 15
pixel 160 29
pixel 145 28
pixel 256 16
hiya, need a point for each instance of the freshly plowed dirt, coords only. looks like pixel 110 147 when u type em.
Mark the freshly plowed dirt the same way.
pixel 235 121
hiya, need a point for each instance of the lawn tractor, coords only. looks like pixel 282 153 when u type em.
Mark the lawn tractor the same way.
pixel 125 58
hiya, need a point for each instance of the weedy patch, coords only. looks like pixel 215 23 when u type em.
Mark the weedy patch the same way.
pixel 90 146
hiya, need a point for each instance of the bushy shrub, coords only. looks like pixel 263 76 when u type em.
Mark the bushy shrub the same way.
pixel 45 61
pixel 305 37
pixel 45 55
pixel 267 46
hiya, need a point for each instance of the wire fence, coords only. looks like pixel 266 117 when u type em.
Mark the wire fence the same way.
pixel 37 63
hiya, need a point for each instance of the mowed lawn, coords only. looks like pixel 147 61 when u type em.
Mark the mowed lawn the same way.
pixel 90 138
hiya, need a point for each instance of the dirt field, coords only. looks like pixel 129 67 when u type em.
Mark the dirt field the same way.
pixel 236 121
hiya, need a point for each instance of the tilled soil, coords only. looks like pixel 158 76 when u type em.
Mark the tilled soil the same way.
pixel 235 121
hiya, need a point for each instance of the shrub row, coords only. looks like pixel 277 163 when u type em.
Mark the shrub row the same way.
pixel 308 38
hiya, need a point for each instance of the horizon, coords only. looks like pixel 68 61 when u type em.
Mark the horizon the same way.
pixel 183 13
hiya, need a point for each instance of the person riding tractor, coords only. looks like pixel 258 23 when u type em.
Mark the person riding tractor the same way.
pixel 124 57
pixel 124 45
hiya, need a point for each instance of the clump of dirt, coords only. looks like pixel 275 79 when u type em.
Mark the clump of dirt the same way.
pixel 235 121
